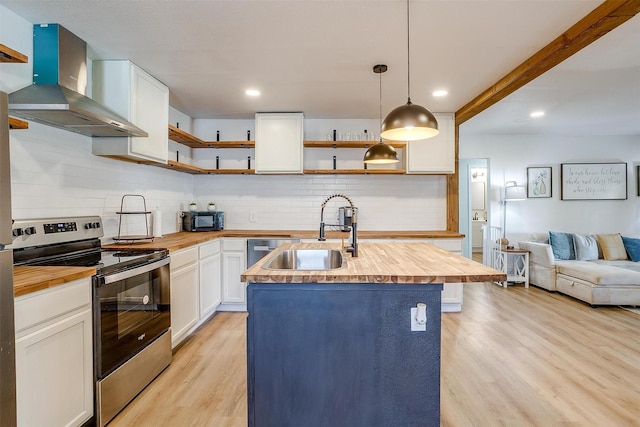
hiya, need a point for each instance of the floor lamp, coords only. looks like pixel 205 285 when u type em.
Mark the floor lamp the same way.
pixel 512 192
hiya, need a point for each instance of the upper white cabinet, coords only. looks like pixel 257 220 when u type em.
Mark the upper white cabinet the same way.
pixel 134 94
pixel 279 143
pixel 437 154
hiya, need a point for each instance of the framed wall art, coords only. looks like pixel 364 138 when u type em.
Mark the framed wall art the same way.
pixel 538 182
pixel 593 181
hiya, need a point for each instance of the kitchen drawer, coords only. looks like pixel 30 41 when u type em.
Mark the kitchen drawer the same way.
pixel 183 257
pixel 209 249
pixel 43 306
pixel 234 244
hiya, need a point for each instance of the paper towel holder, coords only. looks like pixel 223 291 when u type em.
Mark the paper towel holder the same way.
pixel 135 201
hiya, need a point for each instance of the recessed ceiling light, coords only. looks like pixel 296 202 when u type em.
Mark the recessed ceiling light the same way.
pixel 440 93
pixel 252 92
pixel 537 114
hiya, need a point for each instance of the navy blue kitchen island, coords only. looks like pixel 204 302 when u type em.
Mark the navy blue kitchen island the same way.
pixel 335 348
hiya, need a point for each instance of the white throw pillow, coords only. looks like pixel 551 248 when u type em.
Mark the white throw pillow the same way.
pixel 586 247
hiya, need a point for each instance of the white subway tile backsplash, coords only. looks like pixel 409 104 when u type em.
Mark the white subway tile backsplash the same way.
pixel 54 174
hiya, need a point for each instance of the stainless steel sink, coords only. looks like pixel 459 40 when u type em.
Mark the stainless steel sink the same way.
pixel 306 259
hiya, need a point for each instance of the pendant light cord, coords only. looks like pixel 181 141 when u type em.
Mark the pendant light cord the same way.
pixel 408 58
pixel 380 105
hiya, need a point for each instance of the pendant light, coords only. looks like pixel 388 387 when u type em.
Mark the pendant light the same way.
pixel 409 122
pixel 381 153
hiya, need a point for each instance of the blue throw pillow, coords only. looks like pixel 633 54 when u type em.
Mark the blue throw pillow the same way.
pixel 633 247
pixel 562 245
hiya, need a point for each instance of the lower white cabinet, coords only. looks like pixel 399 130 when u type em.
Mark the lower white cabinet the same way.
pixel 452 292
pixel 185 309
pixel 210 277
pixel 196 287
pixel 54 356
pixel 234 262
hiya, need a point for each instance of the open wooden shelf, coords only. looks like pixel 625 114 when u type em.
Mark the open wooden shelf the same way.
pixel 228 144
pixel 349 144
pixel 182 137
pixel 9 55
pixel 17 123
pixel 194 170
pixel 231 171
pixel 354 171
pixel 181 167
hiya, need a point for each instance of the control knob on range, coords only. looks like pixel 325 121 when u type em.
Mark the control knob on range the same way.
pixel 17 232
pixel 29 231
pixel 92 225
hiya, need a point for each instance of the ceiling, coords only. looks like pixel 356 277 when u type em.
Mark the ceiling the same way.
pixel 317 56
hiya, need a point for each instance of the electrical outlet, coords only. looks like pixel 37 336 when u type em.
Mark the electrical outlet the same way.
pixel 253 217
pixel 419 318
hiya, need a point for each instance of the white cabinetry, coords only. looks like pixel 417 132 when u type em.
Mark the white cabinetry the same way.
pixel 234 261
pixel 452 292
pixel 437 154
pixel 279 142
pixel 184 293
pixel 476 235
pixel 210 277
pixel 132 93
pixel 54 356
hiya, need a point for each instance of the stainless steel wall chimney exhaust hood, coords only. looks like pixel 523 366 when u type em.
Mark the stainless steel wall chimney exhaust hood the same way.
pixel 57 96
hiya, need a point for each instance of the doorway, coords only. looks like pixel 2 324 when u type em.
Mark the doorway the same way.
pixel 474 209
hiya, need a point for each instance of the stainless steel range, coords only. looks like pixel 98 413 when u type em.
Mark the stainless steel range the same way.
pixel 131 303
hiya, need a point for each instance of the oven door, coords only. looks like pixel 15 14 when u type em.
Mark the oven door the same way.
pixel 131 308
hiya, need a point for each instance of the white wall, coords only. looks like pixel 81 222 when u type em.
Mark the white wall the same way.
pixel 17 34
pixel 53 173
pixel 385 202
pixel 293 202
pixel 511 155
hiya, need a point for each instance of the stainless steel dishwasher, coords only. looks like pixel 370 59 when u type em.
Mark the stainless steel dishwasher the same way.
pixel 260 248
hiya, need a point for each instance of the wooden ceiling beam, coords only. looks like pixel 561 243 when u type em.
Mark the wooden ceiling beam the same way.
pixel 604 18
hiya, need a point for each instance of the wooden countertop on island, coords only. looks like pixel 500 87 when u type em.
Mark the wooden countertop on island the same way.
pixel 31 279
pixel 382 263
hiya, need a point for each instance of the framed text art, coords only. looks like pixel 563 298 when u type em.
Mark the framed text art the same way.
pixel 593 181
pixel 538 182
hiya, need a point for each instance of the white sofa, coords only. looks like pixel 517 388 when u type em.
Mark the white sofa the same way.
pixel 597 282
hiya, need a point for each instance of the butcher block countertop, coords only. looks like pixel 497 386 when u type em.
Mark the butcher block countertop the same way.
pixel 184 239
pixel 382 263
pixel 32 279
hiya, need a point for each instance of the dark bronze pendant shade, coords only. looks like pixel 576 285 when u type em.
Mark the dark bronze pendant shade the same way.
pixel 381 153
pixel 409 122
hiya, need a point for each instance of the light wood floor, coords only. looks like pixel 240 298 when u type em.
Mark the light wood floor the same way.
pixel 512 357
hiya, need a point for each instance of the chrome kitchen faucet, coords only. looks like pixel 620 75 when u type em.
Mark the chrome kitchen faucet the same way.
pixel 353 249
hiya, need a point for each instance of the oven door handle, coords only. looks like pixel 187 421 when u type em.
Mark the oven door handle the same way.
pixel 110 278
